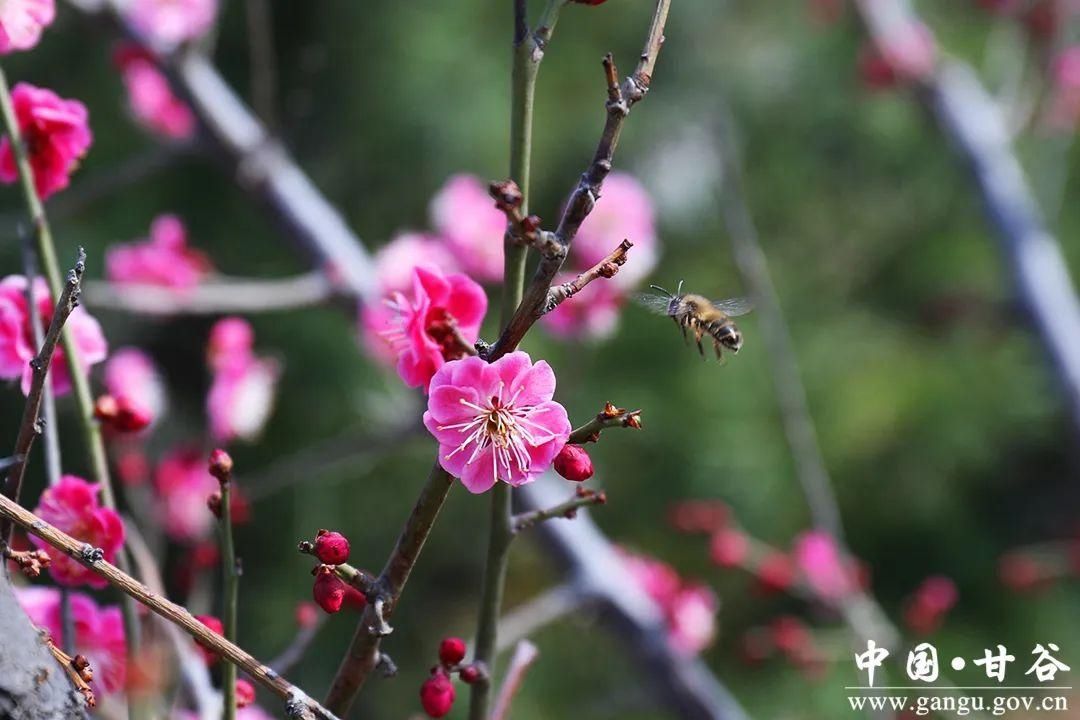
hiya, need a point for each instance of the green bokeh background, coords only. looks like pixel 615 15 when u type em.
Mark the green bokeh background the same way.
pixel 937 413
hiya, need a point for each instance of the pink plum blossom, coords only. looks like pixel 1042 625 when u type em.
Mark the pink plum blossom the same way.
pixel 131 374
pixel 17 347
pixel 56 133
pixel 150 97
pixel 21 23
pixel 434 324
pixel 72 506
pixel 99 632
pixel 496 421
pixel 906 53
pixel 183 484
pixel 241 396
pixel 162 259
pixel 689 609
pixel 822 564
pixel 464 213
pixel 591 314
pixel 170 22
pixel 623 212
pixel 394 265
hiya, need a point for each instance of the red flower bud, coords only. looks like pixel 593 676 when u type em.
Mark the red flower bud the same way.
pixel 209 656
pixel 105 408
pixel 245 693
pixel 213 504
pixel 728 548
pixel 306 614
pixel 437 694
pixel 354 599
pixel 221 465
pixel 451 651
pixel 790 635
pixel 469 674
pixel 332 548
pixel 775 573
pixel 573 463
pixel 328 591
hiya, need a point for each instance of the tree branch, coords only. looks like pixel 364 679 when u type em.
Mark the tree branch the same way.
pixel 609 417
pixel 620 100
pixel 298 704
pixel 606 268
pixel 363 654
pixel 525 654
pixel 219 296
pixel 566 509
pixel 29 427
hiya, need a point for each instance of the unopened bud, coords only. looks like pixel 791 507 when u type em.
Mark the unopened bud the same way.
pixel 221 465
pixel 573 463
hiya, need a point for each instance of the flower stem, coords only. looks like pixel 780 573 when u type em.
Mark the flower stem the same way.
pixel 528 52
pixel 231 581
pixel 46 250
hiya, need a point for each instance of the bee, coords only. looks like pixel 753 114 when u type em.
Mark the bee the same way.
pixel 701 315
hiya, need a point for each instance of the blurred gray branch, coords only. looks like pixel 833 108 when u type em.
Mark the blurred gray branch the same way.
pixel 970 119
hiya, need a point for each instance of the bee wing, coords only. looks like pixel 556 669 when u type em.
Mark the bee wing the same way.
pixel 651 301
pixel 734 307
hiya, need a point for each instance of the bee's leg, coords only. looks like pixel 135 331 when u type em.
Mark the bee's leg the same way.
pixel 697 336
pixel 682 326
pixel 716 347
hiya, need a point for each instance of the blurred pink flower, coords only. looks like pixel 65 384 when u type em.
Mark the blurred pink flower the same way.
pixel 17 347
pixel 394 265
pixel 496 421
pixel 464 214
pixel 241 396
pixel 183 484
pixel 1063 106
pixel 150 96
pixel 99 632
pixel 428 329
pixel 21 23
pixel 926 608
pixel 162 259
pixel 591 314
pixel 72 506
pixel 171 22
pixel 823 566
pixel 623 212
pixel 907 53
pixel 689 609
pixel 56 133
pixel 131 374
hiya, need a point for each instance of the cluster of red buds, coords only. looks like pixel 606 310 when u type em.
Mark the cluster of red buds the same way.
pixel 329 591
pixel 926 608
pixel 789 636
pixel 30 562
pixel 216 626
pixel 1037 568
pixel 121 415
pixel 245 693
pixel 437 693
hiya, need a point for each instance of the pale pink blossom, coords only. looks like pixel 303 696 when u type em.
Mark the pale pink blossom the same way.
pixel 183 484
pixel 438 322
pixel 394 265
pixel 823 565
pixel 131 374
pixel 689 609
pixel 17 347
pixel 623 212
pixel 162 259
pixel 241 396
pixel 464 213
pixel 55 132
pixel 99 632
pixel 72 505
pixel 170 22
pixel 591 314
pixel 150 97
pixel 21 23
pixel 496 421
pixel 905 53
pixel 691 618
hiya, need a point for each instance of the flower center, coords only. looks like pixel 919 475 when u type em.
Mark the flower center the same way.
pixel 503 428
pixel 442 327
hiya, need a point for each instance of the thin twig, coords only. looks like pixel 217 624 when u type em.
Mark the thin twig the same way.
pixel 262 61
pixel 296 649
pixel 30 427
pixel 606 268
pixel 213 297
pixel 567 509
pixel 363 654
pixel 525 654
pixel 609 417
pixel 230 588
pixel 620 99
pixel 532 615
pixel 92 558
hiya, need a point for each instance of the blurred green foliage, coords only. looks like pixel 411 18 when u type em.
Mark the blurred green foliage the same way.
pixel 937 413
